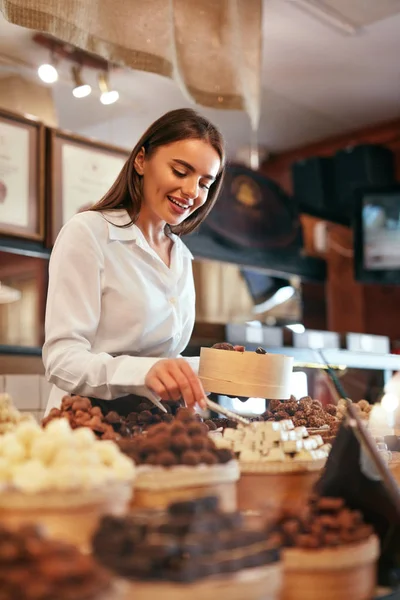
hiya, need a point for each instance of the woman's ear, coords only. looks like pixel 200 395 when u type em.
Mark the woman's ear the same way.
pixel 139 161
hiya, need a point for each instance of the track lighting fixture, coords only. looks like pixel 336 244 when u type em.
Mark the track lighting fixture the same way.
pixel 48 72
pixel 107 96
pixel 81 89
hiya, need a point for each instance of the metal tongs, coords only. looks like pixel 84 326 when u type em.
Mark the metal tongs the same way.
pixel 226 412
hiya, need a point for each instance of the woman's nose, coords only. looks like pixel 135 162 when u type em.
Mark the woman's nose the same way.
pixel 190 189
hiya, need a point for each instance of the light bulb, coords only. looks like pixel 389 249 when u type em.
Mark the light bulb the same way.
pixel 109 97
pixel 48 73
pixel 81 91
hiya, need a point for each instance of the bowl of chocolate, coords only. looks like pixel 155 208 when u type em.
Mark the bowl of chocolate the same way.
pixel 329 552
pixel 279 465
pixel 308 413
pixel 61 478
pixel 109 425
pixel 178 460
pixel 194 550
pixel 33 567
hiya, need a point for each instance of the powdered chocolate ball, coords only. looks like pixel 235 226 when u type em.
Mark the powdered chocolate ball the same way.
pixel 157 429
pixel 199 442
pixel 180 443
pixel 195 429
pixel 167 418
pixel 178 428
pixel 224 455
pixel 186 415
pixel 190 458
pixel 145 417
pixel 152 459
pixel 112 417
pixel 208 458
pixel 211 426
pixel 166 459
pixel 162 441
pixel 223 346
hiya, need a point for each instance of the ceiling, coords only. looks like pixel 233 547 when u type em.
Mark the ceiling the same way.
pixel 316 81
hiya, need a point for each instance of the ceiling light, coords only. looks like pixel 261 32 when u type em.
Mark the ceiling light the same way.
pixel 107 96
pixel 48 73
pixel 8 294
pixel 81 89
pixel 327 15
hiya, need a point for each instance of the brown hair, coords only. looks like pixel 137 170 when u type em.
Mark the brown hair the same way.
pixel 176 125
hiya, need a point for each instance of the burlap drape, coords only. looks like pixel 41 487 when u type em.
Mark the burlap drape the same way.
pixel 212 48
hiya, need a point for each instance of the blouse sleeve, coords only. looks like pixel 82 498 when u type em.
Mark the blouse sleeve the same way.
pixel 72 317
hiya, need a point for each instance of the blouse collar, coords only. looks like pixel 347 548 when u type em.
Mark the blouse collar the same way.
pixel 119 217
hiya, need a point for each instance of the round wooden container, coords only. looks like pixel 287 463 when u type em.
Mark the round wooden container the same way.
pixel 157 487
pixel 331 573
pixel 245 373
pixel 68 516
pixel 261 583
pixel 271 489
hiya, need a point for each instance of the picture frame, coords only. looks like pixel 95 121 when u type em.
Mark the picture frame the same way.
pixel 22 164
pixel 80 171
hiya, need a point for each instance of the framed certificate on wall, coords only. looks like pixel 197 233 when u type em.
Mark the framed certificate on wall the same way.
pixel 21 176
pixel 81 171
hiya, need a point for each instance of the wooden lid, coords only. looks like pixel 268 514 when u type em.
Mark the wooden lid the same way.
pixel 246 373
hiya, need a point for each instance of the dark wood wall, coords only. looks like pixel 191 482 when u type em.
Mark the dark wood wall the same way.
pixel 349 305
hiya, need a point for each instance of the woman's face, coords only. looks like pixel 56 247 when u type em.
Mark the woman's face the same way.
pixel 176 179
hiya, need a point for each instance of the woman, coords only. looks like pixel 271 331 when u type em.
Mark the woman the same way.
pixel 121 299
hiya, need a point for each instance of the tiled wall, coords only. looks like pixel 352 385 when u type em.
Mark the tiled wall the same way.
pixel 29 392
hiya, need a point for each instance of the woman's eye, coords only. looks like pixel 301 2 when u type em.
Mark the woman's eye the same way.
pixel 204 186
pixel 178 173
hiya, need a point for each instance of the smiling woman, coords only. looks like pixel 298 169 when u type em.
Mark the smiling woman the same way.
pixel 121 299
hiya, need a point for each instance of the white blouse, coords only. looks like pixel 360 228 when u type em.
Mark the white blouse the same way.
pixel 113 308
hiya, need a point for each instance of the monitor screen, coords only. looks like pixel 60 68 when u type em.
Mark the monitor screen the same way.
pixel 377 235
pixel 381 227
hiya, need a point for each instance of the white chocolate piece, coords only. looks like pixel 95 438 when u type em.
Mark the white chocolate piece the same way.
pixel 30 477
pixel 292 446
pixel 44 448
pixel 12 450
pixel 83 438
pixel 123 468
pixel 27 432
pixel 59 428
pixel 107 451
pixel 249 456
pixel 274 455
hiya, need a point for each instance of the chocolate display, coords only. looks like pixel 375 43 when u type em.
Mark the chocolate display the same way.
pixel 324 522
pixel 273 442
pixel 9 415
pixel 35 568
pixel 81 413
pixel 183 442
pixel 34 460
pixel 192 540
pixel 305 412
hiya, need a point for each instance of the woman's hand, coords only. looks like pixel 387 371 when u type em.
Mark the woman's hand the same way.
pixel 174 378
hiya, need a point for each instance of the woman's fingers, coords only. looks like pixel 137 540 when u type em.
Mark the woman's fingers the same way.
pixel 190 384
pixel 172 379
